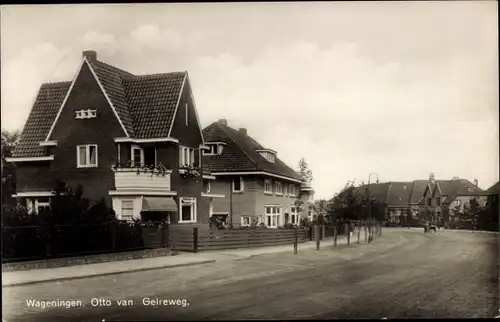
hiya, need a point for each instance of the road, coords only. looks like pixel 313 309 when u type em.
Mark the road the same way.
pixel 405 274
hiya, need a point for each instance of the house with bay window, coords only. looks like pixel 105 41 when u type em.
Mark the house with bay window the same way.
pixel 135 140
pixel 258 187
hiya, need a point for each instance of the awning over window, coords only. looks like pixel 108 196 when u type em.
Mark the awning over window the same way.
pixel 159 204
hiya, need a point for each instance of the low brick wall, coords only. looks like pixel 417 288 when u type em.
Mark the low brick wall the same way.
pixel 83 260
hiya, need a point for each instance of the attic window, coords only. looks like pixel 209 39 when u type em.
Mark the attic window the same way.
pixel 213 149
pixel 269 155
pixel 86 114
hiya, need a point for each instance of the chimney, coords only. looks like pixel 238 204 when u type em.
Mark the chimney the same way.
pixel 476 182
pixel 91 55
pixel 454 179
pixel 432 178
pixel 243 131
pixel 223 122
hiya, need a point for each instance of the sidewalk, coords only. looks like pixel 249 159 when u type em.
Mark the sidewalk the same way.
pixel 35 276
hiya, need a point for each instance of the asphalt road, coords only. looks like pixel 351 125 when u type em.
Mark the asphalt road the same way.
pixel 405 274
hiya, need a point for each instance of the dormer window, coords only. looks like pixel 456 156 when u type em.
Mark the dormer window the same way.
pixel 214 148
pixel 269 155
pixel 85 114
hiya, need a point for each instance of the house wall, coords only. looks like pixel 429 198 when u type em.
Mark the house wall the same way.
pixel 243 203
pixel 70 132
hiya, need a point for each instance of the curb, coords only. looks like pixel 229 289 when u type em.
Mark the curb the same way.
pixel 106 274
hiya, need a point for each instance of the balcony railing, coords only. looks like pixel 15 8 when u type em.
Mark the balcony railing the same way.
pixel 306 186
pixel 130 178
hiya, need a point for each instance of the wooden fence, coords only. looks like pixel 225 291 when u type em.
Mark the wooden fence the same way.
pixel 203 238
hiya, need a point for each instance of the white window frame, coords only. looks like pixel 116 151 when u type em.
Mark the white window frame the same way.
pixel 268 184
pixel 458 203
pixel 186 108
pixel 242 188
pixel 294 213
pixel 209 187
pixel 276 212
pixel 292 190
pixel 32 204
pixel 182 156
pixel 243 224
pixel 279 188
pixel 285 189
pixel 87 156
pixel 128 218
pixel 132 149
pixel 213 149
pixel 85 114
pixel 183 201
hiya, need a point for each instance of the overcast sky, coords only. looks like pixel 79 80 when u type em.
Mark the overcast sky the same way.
pixel 399 88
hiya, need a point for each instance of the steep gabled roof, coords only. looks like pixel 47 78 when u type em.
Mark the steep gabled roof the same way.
pixel 145 105
pixel 417 190
pixel 378 191
pixel 457 187
pixel 152 102
pixel 399 193
pixel 48 101
pixel 494 189
pixel 239 154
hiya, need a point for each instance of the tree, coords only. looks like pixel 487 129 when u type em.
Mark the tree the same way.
pixel 304 170
pixel 9 142
pixel 349 204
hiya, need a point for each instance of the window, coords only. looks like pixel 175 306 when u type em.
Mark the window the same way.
pixel 273 215
pixel 438 201
pixel 457 203
pixel 238 184
pixel 186 108
pixel 246 220
pixel 206 186
pixel 137 156
pixel 285 189
pixel 291 190
pixel 279 188
pixel 37 205
pixel 212 149
pixel 429 201
pixel 187 210
pixel 186 156
pixel 127 210
pixel 86 156
pixel 268 156
pixel 268 187
pixel 294 215
pixel 85 114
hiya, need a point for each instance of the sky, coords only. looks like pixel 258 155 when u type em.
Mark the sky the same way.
pixel 401 89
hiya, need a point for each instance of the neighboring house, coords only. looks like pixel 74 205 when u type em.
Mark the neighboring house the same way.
pixel 84 133
pixel 259 187
pixel 443 198
pixel 423 199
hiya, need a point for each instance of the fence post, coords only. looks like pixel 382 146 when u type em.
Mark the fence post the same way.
pixel 316 232
pixel 348 232
pixel 366 231
pixel 380 230
pixel 295 240
pixel 359 230
pixel 163 232
pixel 195 239
pixel 335 234
pixel 323 237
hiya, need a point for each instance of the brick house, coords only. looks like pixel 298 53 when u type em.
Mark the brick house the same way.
pixel 86 131
pixel 443 198
pixel 259 187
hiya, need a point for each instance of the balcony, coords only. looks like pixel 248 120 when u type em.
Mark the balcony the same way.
pixel 127 179
pixel 306 186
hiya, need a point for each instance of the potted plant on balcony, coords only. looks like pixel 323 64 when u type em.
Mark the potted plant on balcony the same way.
pixel 157 170
pixel 190 171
